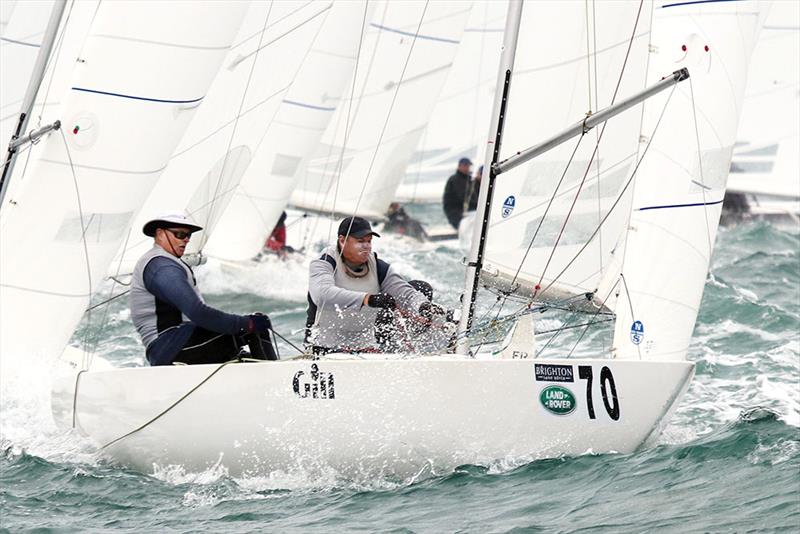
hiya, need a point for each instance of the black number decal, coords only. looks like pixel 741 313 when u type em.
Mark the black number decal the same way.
pixel 607 382
pixel 585 372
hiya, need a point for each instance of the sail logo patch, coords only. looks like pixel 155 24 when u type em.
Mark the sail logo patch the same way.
pixel 508 205
pixel 558 400
pixel 637 332
pixel 315 384
pixel 553 373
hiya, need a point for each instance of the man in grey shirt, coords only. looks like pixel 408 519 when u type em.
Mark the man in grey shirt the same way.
pixel 349 287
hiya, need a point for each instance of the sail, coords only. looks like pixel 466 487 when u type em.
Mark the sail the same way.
pixel 680 186
pixel 144 68
pixel 766 157
pixel 546 213
pixel 220 144
pixel 460 119
pixel 301 119
pixel 405 59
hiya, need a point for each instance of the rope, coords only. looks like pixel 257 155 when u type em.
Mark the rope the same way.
pixel 700 164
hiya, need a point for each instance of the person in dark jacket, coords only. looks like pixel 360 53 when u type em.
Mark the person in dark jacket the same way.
pixel 169 313
pixel 456 191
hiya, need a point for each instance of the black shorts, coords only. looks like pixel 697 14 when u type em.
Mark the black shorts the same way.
pixel 205 346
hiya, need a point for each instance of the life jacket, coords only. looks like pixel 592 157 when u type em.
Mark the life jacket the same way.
pixel 334 327
pixel 151 315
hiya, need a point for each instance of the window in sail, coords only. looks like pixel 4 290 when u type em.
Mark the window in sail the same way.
pixel 99 227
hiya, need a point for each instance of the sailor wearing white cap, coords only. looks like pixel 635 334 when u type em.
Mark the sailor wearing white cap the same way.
pixel 169 313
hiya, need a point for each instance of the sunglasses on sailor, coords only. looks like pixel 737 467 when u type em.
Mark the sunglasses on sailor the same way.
pixel 179 234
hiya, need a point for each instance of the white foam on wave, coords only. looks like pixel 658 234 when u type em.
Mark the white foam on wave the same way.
pixel 272 278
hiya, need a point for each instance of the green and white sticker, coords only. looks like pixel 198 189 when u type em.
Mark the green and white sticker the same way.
pixel 558 400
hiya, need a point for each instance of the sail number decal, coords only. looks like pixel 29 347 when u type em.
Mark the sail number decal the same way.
pixel 608 390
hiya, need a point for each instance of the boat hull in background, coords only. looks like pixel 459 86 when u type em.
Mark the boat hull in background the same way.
pixel 376 416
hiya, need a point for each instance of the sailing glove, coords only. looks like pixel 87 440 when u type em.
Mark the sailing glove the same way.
pixel 381 300
pixel 258 323
pixel 427 310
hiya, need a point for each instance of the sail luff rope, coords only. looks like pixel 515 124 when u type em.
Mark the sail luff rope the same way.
pixel 596 147
pixel 619 196
pixel 630 306
pixel 597 139
pixel 210 211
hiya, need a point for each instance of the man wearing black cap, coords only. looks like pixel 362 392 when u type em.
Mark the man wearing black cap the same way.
pixel 348 286
pixel 456 191
pixel 168 310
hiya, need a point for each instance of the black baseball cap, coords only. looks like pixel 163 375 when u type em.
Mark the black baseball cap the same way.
pixel 465 161
pixel 356 227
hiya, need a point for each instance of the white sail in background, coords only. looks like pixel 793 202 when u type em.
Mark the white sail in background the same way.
pixel 766 157
pixel 293 134
pixel 6 12
pixel 407 53
pixel 681 183
pixel 460 119
pixel 587 61
pixel 220 144
pixel 144 68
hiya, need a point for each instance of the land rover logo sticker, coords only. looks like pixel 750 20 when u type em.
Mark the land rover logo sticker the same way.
pixel 558 400
pixel 553 373
pixel 637 332
pixel 314 384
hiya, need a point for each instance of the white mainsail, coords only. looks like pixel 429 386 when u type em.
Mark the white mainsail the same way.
pixel 681 183
pixel 220 144
pixel 593 58
pixel 405 59
pixel 766 157
pixel 460 119
pixel 144 67
pixel 293 134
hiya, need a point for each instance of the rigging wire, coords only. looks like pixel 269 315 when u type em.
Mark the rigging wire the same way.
pixel 596 147
pixel 619 196
pixel 700 168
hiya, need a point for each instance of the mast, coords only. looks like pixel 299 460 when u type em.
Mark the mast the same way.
pixel 475 257
pixel 30 97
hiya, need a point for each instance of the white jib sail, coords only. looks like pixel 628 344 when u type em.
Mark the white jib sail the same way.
pixel 594 56
pixel 145 66
pixel 221 141
pixel 405 59
pixel 294 133
pixel 681 183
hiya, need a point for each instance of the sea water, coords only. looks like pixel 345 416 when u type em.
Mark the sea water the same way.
pixel 729 461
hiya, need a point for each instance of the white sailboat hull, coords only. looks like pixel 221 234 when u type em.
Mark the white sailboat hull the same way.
pixel 375 416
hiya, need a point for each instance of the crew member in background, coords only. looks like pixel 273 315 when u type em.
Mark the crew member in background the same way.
pixel 169 313
pixel 456 192
pixel 400 222
pixel 347 287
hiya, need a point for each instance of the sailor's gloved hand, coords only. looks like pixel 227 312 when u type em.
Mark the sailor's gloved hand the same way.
pixel 259 323
pixel 427 310
pixel 381 300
